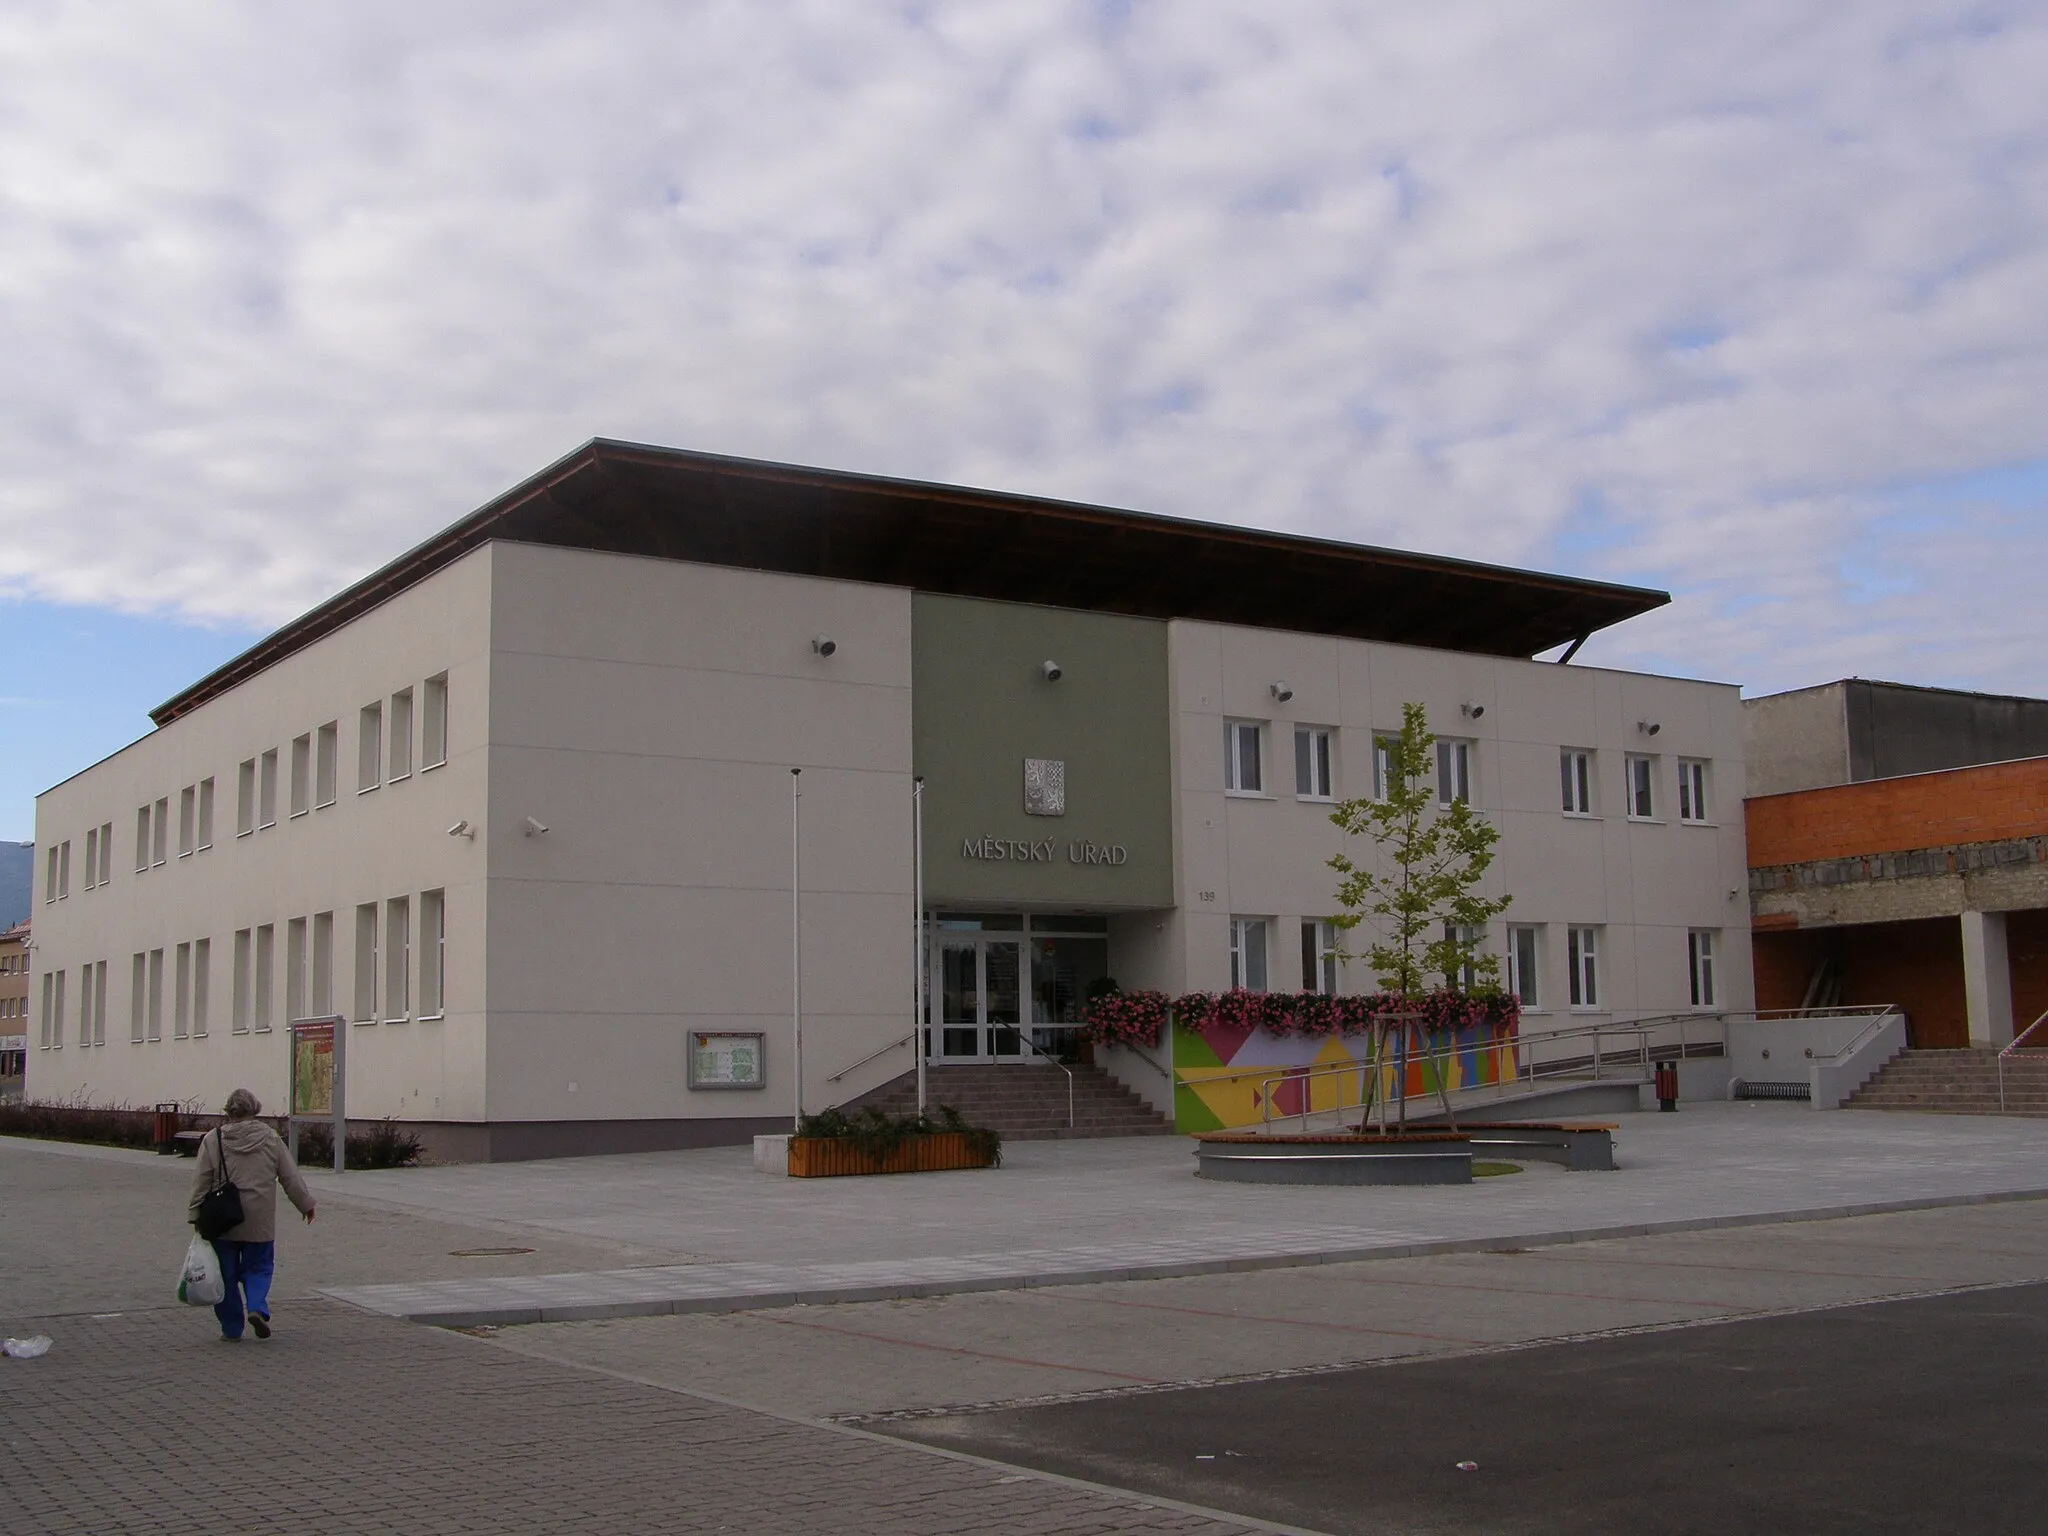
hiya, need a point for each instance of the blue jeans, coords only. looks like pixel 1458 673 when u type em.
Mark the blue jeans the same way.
pixel 246 1268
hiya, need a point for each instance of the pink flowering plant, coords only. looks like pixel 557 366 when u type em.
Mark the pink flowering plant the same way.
pixel 1139 1018
pixel 1125 1018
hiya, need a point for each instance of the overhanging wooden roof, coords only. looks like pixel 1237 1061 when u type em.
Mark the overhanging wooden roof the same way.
pixel 677 505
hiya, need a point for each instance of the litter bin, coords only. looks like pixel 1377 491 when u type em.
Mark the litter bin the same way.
pixel 1667 1086
pixel 164 1133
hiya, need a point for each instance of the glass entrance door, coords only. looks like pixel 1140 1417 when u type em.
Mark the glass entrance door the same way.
pixel 979 993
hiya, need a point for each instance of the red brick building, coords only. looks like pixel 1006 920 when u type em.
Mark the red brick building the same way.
pixel 1925 889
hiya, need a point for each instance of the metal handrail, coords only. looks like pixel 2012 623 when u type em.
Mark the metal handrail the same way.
pixel 1636 1031
pixel 1031 1046
pixel 871 1055
pixel 2011 1050
pixel 1884 1017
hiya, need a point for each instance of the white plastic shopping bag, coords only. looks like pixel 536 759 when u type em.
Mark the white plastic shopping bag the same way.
pixel 200 1284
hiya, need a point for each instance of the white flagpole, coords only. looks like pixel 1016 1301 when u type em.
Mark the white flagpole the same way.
pixel 796 935
pixel 917 854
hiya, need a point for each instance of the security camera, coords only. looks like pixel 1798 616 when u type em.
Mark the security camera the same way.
pixel 1052 671
pixel 1473 711
pixel 824 645
pixel 1649 727
pixel 1281 691
pixel 462 829
pixel 535 826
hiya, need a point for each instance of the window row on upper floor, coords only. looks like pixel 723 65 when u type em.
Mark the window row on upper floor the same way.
pixel 1455 775
pixel 385 731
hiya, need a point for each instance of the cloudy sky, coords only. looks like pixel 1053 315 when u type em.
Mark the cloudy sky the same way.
pixel 1748 301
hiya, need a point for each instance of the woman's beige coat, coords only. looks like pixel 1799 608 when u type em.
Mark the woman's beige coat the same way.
pixel 258 1161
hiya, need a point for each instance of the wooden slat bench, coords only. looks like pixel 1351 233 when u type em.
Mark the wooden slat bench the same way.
pixel 1580 1145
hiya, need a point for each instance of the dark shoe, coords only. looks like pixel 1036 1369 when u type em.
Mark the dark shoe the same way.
pixel 260 1322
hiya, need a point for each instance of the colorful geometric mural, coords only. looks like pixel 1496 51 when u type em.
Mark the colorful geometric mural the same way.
pixel 1225 1075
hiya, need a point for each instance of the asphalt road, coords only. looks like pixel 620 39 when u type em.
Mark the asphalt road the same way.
pixel 1923 1415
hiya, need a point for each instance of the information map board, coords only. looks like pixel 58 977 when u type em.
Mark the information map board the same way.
pixel 727 1060
pixel 319 1080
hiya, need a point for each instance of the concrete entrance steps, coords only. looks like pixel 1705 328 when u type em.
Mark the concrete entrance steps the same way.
pixel 1026 1102
pixel 1957 1083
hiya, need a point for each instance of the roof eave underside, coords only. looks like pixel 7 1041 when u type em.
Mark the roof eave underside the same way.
pixel 626 499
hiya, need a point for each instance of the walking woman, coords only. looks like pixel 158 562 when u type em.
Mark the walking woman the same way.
pixel 257 1161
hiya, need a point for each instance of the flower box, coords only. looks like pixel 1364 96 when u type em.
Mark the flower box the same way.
pixel 825 1157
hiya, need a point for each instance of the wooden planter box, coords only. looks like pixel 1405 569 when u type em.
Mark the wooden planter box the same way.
pixel 819 1157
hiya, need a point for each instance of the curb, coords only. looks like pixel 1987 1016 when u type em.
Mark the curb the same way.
pixel 472 1315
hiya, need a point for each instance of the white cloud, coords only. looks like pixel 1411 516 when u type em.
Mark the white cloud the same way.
pixel 1684 295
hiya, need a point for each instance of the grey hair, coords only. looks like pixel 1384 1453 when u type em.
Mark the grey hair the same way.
pixel 242 1105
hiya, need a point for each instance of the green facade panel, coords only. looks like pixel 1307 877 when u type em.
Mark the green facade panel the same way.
pixel 982 706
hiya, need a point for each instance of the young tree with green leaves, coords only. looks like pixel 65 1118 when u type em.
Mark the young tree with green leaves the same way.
pixel 1419 888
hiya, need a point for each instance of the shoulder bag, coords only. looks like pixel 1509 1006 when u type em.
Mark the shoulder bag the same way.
pixel 220 1208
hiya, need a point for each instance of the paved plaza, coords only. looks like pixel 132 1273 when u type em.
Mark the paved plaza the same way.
pixel 1253 1391
pixel 1074 1212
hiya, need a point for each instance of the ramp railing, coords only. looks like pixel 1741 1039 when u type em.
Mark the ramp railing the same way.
pixel 2018 1041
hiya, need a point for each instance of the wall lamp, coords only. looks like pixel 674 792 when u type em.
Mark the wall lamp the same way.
pixel 1280 691
pixel 535 826
pixel 1470 710
pixel 1649 727
pixel 824 645
pixel 463 829
pixel 1053 671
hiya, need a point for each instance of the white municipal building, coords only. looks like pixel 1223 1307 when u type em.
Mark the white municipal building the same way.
pixel 519 805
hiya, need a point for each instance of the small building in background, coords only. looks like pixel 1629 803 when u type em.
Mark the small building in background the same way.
pixel 1898 853
pixel 14 958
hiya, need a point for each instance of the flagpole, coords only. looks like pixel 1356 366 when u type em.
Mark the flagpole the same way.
pixel 917 1027
pixel 796 935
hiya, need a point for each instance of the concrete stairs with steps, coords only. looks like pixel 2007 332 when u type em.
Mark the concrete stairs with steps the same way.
pixel 1957 1083
pixel 1026 1102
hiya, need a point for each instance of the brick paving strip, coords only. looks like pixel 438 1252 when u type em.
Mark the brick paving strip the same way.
pixel 146 1422
pixel 655 1290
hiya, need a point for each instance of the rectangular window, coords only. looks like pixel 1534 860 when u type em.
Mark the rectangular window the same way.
pixel 85 1005
pixel 1382 766
pixel 160 834
pixel 1248 953
pixel 64 869
pixel 1583 953
pixel 156 994
pixel 202 984
pixel 366 963
pixel 1243 763
pixel 106 853
pixel 369 748
pixel 260 1014
pixel 188 820
pixel 241 981
pixel 401 734
pixel 92 857
pixel 50 878
pixel 323 964
pixel 1466 976
pixel 1453 772
pixel 1312 776
pixel 397 958
pixel 433 954
pixel 434 722
pixel 302 775
pixel 141 839
pixel 1699 954
pixel 99 1003
pixel 138 989
pixel 43 1035
pixel 57 1027
pixel 1642 777
pixel 205 814
pixel 245 798
pixel 295 969
pixel 266 794
pixel 1318 955
pixel 1692 789
pixel 326 762
pixel 1523 969
pixel 1575 769
pixel 181 994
